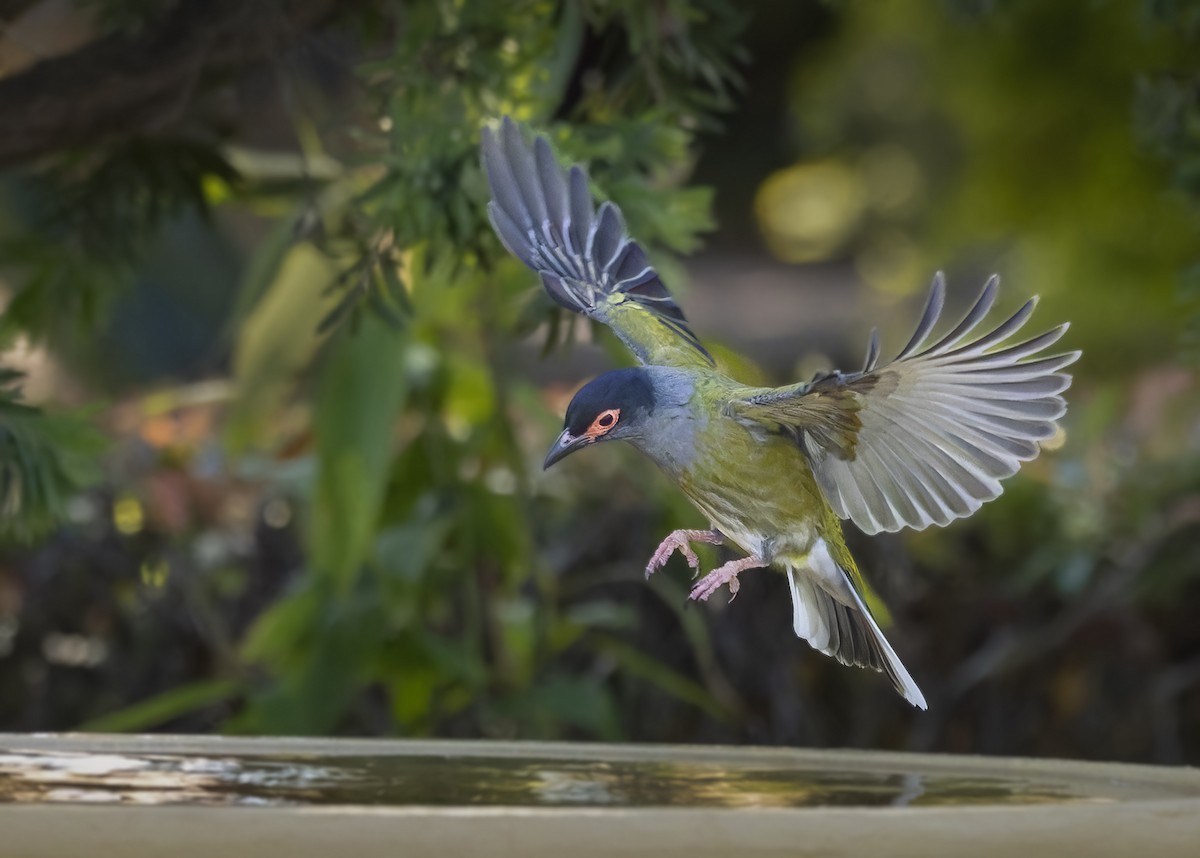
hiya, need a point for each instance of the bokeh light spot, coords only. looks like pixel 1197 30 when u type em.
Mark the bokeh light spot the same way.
pixel 808 212
pixel 128 515
pixel 277 513
pixel 154 574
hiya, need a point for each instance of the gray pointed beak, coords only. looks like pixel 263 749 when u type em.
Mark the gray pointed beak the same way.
pixel 563 446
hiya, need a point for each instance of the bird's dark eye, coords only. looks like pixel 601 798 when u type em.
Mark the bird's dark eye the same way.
pixel 606 419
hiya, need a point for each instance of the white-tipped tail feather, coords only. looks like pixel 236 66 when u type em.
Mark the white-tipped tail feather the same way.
pixel 846 632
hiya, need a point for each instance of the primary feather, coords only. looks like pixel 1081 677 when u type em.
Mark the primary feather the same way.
pixel 928 437
pixel 586 259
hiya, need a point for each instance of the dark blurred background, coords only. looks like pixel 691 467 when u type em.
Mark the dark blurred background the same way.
pixel 273 400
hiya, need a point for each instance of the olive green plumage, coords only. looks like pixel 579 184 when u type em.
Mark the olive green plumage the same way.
pixel 922 440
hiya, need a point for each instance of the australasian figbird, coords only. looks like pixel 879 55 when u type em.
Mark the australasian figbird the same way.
pixel 922 439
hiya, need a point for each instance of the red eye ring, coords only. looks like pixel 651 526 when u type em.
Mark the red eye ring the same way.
pixel 605 421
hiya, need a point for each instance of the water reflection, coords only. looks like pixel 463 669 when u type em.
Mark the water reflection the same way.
pixel 447 780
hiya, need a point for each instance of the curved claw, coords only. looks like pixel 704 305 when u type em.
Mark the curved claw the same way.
pixel 722 575
pixel 679 540
pixel 705 588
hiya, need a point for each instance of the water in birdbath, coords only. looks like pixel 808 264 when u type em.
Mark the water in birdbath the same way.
pixel 453 777
pixel 481 781
pixel 133 796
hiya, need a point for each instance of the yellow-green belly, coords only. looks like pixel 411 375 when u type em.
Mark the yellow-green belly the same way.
pixel 757 489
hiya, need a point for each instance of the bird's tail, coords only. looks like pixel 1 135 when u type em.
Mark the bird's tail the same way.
pixel 847 632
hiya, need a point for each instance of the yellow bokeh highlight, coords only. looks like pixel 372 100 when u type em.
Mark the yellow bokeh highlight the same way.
pixel 1055 441
pixel 154 574
pixel 808 212
pixel 129 517
pixel 216 190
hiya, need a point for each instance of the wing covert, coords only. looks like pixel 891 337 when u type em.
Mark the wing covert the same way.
pixel 927 438
pixel 546 217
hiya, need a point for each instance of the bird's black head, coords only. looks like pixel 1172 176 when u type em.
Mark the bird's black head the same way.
pixel 609 407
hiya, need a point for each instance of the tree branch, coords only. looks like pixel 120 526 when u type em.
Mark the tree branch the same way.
pixel 125 84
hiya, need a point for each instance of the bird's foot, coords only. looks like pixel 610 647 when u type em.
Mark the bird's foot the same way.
pixel 722 575
pixel 678 540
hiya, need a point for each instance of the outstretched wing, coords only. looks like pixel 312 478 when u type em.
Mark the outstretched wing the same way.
pixel 546 218
pixel 927 438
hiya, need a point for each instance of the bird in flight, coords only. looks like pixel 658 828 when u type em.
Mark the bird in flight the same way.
pixel 922 439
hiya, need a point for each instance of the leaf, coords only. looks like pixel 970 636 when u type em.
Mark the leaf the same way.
pixel 637 663
pixel 280 632
pixel 262 270
pixel 329 651
pixel 277 340
pixel 559 701
pixel 394 286
pixel 46 458
pixel 470 395
pixel 359 394
pixel 413 684
pixel 161 708
pixel 313 697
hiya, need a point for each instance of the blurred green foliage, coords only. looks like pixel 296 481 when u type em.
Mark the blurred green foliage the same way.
pixel 343 527
pixel 1021 136
pixel 420 554
pixel 44 461
pixel 1167 119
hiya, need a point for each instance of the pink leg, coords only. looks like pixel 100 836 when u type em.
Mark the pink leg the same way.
pixel 722 575
pixel 678 541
